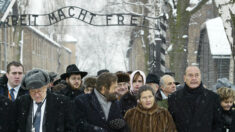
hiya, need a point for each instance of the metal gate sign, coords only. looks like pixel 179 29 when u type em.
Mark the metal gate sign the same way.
pixel 120 19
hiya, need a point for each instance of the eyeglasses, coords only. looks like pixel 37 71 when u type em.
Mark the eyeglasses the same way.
pixel 37 91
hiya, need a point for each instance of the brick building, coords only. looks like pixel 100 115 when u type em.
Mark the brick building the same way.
pixel 34 49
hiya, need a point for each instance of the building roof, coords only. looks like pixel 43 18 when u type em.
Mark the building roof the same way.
pixel 219 44
pixel 44 36
pixel 47 38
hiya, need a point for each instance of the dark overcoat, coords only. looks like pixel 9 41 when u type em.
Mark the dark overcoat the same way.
pixel 6 114
pixel 70 93
pixel 127 102
pixel 233 122
pixel 91 118
pixel 57 116
pixel 207 111
pixel 4 88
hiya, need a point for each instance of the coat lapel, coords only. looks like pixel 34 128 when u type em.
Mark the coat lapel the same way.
pixel 49 116
pixel 96 105
pixel 25 120
pixel 114 111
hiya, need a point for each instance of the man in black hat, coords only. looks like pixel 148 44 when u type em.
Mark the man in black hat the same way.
pixel 153 81
pixel 73 78
pixel 41 110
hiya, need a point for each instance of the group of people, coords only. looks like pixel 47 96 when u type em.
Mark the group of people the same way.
pixel 111 102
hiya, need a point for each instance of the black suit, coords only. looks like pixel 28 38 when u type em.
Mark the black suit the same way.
pixel 90 116
pixel 4 91
pixel 195 110
pixel 57 115
pixel 6 114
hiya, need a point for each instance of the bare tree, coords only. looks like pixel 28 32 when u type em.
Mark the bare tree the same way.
pixel 179 19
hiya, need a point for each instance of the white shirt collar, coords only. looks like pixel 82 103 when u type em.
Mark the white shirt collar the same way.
pixel 17 88
pixel 163 95
pixel 35 106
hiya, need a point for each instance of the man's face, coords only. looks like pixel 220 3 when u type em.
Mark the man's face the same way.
pixel 169 85
pixel 74 81
pixel 111 94
pixel 192 77
pixel 15 75
pixel 155 86
pixel 38 94
pixel 122 88
pixel 137 84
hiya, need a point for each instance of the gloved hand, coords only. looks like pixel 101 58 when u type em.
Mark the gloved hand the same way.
pixel 117 124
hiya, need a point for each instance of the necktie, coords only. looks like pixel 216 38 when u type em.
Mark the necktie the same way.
pixel 12 94
pixel 37 118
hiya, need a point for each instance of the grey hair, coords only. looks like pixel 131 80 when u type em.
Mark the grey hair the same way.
pixel 162 83
pixel 143 89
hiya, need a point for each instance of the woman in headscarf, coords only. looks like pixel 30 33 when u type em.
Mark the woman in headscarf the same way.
pixel 147 116
pixel 129 100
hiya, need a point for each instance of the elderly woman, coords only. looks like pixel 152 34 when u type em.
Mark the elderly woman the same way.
pixel 227 97
pixel 147 116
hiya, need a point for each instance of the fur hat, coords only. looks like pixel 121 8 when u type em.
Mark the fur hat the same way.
pixel 52 76
pixel 90 82
pixel 35 79
pixel 123 77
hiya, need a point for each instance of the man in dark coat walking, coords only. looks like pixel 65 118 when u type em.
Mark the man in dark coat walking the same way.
pixel 6 114
pixel 73 78
pixel 10 84
pixel 99 111
pixel 41 110
pixel 194 108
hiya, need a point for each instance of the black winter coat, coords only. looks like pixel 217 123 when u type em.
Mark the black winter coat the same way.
pixel 70 93
pixel 233 122
pixel 4 88
pixel 158 95
pixel 6 114
pixel 58 116
pixel 227 120
pixel 195 110
pixel 90 116
pixel 127 102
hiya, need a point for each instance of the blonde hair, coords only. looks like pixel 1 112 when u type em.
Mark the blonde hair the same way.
pixel 226 93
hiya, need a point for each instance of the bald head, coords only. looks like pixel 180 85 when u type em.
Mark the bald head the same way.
pixel 192 76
